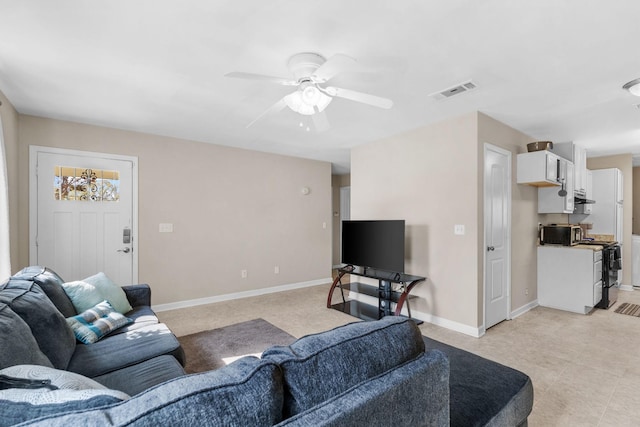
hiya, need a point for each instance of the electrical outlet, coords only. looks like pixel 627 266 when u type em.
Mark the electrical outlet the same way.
pixel 243 274
pixel 458 229
pixel 526 291
pixel 276 269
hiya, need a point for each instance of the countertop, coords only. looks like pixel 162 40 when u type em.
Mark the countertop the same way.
pixel 594 248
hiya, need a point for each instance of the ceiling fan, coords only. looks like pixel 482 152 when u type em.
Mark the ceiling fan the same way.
pixel 311 71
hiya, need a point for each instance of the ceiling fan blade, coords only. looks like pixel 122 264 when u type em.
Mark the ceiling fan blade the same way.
pixel 252 76
pixel 365 98
pixel 320 121
pixel 336 64
pixel 275 108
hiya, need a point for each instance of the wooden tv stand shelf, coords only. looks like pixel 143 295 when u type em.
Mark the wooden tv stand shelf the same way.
pixel 384 292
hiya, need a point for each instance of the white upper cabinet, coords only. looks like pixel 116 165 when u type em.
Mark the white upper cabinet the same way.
pixel 538 168
pixel 553 199
pixel 577 155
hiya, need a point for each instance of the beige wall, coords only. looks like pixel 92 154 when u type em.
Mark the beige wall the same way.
pixel 624 162
pixel 432 178
pixel 337 181
pixel 10 130
pixel 524 213
pixel 234 209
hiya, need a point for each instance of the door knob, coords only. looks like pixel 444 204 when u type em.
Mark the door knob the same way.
pixel 125 250
pixel 491 248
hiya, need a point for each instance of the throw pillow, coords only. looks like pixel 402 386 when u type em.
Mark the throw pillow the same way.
pixel 86 293
pixel 74 392
pixel 95 323
pixel 110 291
pixel 83 295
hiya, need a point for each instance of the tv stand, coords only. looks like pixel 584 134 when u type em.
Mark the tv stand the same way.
pixel 384 292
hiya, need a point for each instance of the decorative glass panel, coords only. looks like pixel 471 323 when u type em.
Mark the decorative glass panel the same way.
pixel 83 184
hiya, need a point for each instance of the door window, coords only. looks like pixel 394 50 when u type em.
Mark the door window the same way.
pixel 85 184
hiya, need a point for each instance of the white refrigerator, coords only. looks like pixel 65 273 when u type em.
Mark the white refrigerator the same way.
pixel 606 213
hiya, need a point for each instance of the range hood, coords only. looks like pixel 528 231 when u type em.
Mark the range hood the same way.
pixel 581 200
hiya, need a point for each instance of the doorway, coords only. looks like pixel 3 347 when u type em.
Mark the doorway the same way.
pixel 345 213
pixel 497 235
pixel 83 213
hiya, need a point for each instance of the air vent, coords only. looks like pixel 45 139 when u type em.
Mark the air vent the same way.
pixel 454 90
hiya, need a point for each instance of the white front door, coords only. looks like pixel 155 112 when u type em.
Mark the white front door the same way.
pixel 84 205
pixel 497 223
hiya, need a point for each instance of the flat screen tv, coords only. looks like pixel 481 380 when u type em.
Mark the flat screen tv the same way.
pixel 375 244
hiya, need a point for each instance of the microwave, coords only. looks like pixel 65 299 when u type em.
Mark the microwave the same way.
pixel 560 234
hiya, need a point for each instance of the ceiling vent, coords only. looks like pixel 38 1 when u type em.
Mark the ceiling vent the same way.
pixel 454 90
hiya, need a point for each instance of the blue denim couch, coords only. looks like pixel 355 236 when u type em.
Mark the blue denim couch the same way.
pixel 33 330
pixel 379 373
pixel 363 374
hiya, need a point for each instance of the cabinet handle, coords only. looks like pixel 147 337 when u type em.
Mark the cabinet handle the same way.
pixel 491 248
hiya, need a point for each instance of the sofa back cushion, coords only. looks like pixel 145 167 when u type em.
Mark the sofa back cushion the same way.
pixel 18 344
pixel 48 326
pixel 318 367
pixel 51 284
pixel 415 393
pixel 247 392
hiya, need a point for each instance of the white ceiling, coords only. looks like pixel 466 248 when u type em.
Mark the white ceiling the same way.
pixel 553 69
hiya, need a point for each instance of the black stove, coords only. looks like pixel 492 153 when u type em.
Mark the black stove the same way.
pixel 611 264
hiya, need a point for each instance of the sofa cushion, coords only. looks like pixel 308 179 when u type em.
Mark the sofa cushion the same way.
pixel 415 393
pixel 247 392
pixel 483 392
pixel 18 344
pixel 51 284
pixel 95 323
pixel 74 392
pixel 347 351
pixel 47 324
pixel 140 316
pixel 142 376
pixel 126 349
pixel 18 412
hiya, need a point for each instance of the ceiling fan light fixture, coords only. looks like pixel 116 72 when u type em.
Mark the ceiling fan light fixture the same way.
pixel 307 101
pixel 633 87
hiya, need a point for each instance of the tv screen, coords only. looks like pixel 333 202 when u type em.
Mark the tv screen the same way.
pixel 375 244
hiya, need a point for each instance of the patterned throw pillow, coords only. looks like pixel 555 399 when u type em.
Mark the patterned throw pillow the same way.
pixel 96 322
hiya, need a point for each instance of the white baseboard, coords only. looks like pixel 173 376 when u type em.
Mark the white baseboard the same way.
pixel 522 310
pixel 238 295
pixel 425 317
pixel 626 288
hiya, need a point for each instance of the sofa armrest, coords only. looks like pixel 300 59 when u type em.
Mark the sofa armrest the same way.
pixel 138 295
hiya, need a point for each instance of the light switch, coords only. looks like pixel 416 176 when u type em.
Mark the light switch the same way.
pixel 165 228
pixel 458 229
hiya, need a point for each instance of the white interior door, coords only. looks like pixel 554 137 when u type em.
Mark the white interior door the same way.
pixel 497 223
pixel 84 214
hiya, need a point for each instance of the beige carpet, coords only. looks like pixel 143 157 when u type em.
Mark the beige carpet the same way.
pixel 216 348
pixel 629 309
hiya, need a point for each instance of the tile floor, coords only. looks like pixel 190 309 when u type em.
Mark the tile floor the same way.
pixel 585 369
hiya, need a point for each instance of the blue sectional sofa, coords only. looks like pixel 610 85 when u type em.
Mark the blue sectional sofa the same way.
pixel 378 373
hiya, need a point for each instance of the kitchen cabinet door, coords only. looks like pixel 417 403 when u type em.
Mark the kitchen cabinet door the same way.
pixel 550 199
pixel 539 168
